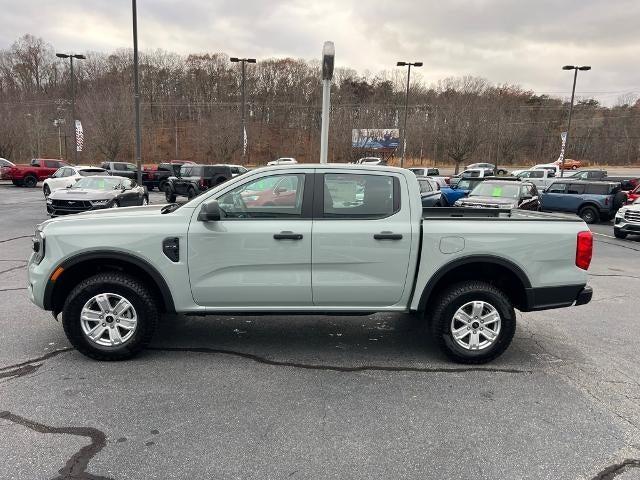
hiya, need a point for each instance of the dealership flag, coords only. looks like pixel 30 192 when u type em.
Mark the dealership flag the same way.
pixel 563 136
pixel 79 136
pixel 244 141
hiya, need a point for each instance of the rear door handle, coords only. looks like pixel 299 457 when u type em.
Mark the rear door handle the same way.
pixel 287 235
pixel 387 236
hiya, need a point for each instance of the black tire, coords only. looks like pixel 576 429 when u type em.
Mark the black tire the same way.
pixel 191 193
pixel 589 215
pixel 169 195
pixel 220 180
pixel 575 167
pixel 46 191
pixel 162 187
pixel 135 291
pixel 447 304
pixel 502 172
pixel 115 204
pixel 619 233
pixel 17 183
pixel 30 181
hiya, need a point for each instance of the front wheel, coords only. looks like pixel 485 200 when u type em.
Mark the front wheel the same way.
pixel 169 195
pixel 110 316
pixel 473 322
pixel 575 167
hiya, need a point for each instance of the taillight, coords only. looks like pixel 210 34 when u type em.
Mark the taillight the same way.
pixel 203 183
pixel 606 200
pixel 584 250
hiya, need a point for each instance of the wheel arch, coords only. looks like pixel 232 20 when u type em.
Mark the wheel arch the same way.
pixel 498 271
pixel 84 265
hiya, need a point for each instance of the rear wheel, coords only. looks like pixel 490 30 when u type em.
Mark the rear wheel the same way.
pixel 30 181
pixel 169 195
pixel 115 204
pixel 619 233
pixel 110 316
pixel 589 215
pixel 575 167
pixel 162 186
pixel 46 190
pixel 473 322
pixel 145 201
pixel 191 193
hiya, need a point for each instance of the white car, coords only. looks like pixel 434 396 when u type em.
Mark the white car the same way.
pixel 237 170
pixel 548 166
pixel 283 161
pixel 5 165
pixel 69 175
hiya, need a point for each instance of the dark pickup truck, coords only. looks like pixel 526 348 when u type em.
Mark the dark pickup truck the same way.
pixel 157 177
pixel 195 179
pixel 121 169
pixel 627 183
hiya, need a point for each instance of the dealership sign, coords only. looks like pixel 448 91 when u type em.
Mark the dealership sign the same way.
pixel 375 138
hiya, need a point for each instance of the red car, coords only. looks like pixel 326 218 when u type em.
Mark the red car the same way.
pixel 39 169
pixel 282 194
pixel 633 195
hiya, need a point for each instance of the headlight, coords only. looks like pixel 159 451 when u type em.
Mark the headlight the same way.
pixel 38 246
pixel 49 201
pixel 99 203
pixel 621 212
pixel 457 203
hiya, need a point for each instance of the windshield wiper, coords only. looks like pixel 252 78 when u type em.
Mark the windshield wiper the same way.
pixel 172 207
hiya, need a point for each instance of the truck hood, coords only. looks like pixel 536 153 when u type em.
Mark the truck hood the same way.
pixel 142 211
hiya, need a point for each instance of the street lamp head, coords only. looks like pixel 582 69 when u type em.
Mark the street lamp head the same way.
pixel 251 60
pixel 401 64
pixel 79 56
pixel 568 67
pixel 234 59
pixel 328 60
pixel 585 67
pixel 62 55
pixel 417 64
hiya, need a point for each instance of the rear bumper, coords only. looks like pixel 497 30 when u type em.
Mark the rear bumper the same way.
pixel 545 298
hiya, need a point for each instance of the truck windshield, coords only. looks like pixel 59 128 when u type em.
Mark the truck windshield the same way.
pixel 503 190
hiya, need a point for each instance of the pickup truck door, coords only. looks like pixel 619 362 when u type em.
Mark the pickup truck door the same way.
pixel 361 239
pixel 257 255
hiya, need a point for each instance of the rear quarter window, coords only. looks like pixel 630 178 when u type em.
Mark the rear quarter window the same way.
pixel 596 189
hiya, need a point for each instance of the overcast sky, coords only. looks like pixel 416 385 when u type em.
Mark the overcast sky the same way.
pixel 506 41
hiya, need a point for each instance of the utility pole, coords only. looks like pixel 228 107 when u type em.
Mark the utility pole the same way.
pixel 328 60
pixel 136 92
pixel 243 121
pixel 573 93
pixel 72 127
pixel 406 107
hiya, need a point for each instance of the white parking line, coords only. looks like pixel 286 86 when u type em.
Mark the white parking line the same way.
pixel 603 235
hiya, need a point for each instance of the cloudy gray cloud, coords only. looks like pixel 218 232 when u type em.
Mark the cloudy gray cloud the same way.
pixel 506 41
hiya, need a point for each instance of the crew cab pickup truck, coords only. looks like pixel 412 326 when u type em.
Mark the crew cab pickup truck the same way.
pixel 349 239
pixel 541 177
pixel 37 170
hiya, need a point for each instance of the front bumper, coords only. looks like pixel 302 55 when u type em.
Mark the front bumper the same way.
pixel 546 298
pixel 624 225
pixel 58 210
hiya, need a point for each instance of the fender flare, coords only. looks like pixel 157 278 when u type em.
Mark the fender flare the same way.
pixel 447 267
pixel 161 284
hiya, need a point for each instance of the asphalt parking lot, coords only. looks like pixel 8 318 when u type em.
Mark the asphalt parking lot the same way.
pixel 321 397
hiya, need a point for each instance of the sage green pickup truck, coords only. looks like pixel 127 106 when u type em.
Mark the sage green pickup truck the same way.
pixel 307 239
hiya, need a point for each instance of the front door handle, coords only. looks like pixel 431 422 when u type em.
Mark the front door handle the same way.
pixel 287 235
pixel 387 236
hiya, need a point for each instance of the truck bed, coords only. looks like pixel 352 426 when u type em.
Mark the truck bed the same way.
pixel 441 213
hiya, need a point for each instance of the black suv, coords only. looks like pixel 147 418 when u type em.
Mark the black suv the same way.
pixel 195 179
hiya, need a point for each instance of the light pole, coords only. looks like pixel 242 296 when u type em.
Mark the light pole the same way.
pixel 406 107
pixel 136 92
pixel 71 56
pixel 243 126
pixel 575 69
pixel 58 122
pixel 328 60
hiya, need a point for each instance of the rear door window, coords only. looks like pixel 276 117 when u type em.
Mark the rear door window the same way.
pixel 557 188
pixel 575 189
pixel 536 174
pixel 360 196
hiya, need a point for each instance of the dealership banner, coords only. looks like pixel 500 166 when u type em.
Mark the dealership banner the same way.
pixel 563 136
pixel 79 136
pixel 375 138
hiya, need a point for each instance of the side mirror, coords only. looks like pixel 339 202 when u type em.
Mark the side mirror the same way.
pixel 209 212
pixel 69 186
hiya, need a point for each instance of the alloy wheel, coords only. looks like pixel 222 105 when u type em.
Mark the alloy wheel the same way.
pixel 476 325
pixel 108 319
